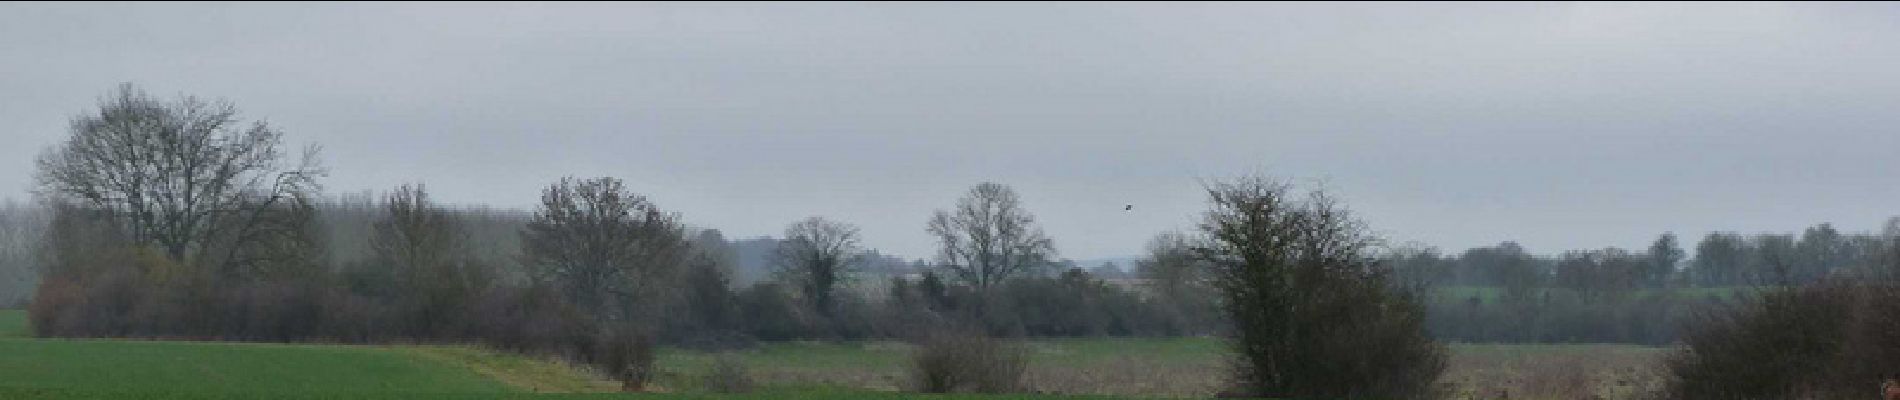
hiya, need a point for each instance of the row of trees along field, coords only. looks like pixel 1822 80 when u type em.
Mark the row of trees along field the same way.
pixel 187 183
pixel 175 219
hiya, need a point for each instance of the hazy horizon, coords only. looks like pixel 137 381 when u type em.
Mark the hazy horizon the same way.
pixel 1556 125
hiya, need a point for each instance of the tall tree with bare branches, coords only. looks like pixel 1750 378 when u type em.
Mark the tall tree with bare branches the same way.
pixel 989 238
pixel 605 247
pixel 186 177
pixel 425 249
pixel 817 256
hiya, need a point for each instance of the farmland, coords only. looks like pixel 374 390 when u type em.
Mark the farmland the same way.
pixel 13 324
pixel 1123 368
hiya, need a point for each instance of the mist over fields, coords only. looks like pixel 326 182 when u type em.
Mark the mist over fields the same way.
pixel 879 200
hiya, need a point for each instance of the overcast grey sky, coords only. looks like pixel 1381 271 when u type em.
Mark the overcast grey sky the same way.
pixel 1559 125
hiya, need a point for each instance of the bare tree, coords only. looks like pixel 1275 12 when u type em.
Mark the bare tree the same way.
pixel 817 256
pixel 603 246
pixel 426 249
pixel 181 174
pixel 989 237
pixel 414 231
pixel 1171 266
pixel 1314 314
pixel 1180 281
pixel 1416 266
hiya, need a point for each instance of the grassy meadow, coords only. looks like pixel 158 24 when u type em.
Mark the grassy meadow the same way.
pixel 13 324
pixel 61 369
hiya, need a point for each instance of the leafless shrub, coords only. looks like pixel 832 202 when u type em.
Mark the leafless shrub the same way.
pixel 627 355
pixel 966 362
pixel 1788 343
pixel 728 374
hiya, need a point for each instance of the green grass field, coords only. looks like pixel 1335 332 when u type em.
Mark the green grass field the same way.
pixel 58 369
pixel 13 324
pixel 230 367
pixel 134 369
pixel 116 369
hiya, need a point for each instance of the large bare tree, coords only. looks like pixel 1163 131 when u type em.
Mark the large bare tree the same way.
pixel 989 238
pixel 181 175
pixel 817 256
pixel 604 246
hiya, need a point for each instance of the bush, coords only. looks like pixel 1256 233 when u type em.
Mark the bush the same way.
pixel 53 305
pixel 1314 314
pixel 533 320
pixel 1829 340
pixel 967 362
pixel 626 355
pixel 772 314
pixel 727 375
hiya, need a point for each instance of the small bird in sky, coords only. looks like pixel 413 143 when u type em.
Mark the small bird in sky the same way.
pixel 1128 207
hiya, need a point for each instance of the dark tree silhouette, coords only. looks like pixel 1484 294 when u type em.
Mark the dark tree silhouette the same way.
pixel 989 238
pixel 816 257
pixel 179 175
pixel 1314 314
pixel 604 246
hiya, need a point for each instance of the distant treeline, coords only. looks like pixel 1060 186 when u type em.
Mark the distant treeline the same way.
pixel 1721 259
pixel 1499 293
pixel 884 298
pixel 1504 294
pixel 174 219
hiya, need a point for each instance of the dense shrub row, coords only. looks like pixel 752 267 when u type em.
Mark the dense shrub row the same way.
pixel 1833 340
pixel 100 285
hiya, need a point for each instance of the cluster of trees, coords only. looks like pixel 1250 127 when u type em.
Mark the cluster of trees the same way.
pixel 176 219
pixel 817 284
pixel 207 214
